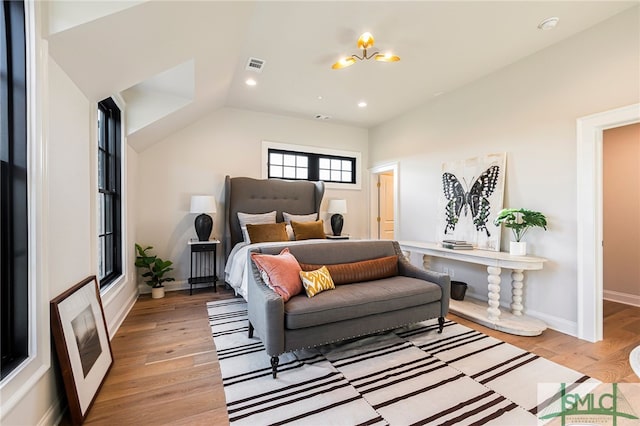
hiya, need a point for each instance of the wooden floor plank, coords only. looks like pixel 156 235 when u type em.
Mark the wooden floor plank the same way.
pixel 166 370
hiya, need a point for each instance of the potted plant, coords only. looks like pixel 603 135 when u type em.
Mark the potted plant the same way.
pixel 155 270
pixel 520 221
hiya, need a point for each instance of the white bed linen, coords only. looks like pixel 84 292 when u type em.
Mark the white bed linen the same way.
pixel 236 272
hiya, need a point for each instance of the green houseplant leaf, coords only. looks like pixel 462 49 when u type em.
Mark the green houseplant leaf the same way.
pixel 154 267
pixel 520 221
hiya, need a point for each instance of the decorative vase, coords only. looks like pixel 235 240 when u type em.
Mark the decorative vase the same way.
pixel 157 292
pixel 518 248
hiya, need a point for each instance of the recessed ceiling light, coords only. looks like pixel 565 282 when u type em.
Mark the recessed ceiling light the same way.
pixel 319 98
pixel 549 23
pixel 251 82
pixel 362 104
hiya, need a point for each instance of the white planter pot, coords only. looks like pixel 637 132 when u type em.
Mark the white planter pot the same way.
pixel 157 292
pixel 518 248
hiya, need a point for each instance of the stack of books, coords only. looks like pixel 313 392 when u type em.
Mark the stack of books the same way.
pixel 457 245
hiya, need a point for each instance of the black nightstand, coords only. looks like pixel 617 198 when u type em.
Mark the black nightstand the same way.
pixel 204 265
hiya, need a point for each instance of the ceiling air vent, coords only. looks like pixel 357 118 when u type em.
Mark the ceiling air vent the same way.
pixel 255 64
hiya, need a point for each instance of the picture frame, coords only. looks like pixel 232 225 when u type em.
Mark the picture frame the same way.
pixel 82 344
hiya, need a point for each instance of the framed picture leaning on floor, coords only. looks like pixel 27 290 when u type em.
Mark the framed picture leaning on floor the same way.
pixel 82 343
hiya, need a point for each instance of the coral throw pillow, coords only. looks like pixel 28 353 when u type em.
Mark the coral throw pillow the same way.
pixel 308 230
pixel 283 271
pixel 316 281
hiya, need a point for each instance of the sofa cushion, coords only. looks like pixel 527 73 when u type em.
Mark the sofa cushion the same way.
pixel 282 271
pixel 316 281
pixel 359 300
pixel 354 272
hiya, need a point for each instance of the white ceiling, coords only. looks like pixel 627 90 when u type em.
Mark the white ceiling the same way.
pixel 131 47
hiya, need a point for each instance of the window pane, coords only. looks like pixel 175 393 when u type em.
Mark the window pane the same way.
pixel 324 163
pixel 302 174
pixel 325 175
pixel 275 158
pixel 101 129
pixel 303 161
pixel 108 213
pixel 290 172
pixel 101 217
pixel 335 164
pixel 108 251
pixel 346 165
pixel 289 160
pixel 275 171
pixel 101 258
pixel 346 176
pixel 101 169
pixel 335 175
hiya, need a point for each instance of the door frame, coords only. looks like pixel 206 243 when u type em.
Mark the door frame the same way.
pixel 374 198
pixel 590 287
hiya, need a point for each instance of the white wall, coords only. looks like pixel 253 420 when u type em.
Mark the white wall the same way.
pixel 71 236
pixel 528 110
pixel 228 141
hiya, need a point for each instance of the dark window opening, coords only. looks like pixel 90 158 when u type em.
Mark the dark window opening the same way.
pixel 296 165
pixel 109 193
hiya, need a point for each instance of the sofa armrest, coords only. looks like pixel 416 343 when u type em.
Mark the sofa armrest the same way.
pixel 405 268
pixel 265 311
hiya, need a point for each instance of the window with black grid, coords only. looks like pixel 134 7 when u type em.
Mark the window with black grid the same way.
pixel 109 193
pixel 297 165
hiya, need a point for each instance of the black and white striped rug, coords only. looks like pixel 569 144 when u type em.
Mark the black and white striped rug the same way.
pixel 411 376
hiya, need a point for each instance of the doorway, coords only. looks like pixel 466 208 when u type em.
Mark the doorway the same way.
pixel 589 216
pixel 384 202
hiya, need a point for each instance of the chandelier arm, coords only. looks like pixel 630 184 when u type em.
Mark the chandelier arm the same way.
pixel 357 57
pixel 370 56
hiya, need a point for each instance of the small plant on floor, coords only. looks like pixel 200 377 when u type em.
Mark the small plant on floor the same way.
pixel 520 221
pixel 154 266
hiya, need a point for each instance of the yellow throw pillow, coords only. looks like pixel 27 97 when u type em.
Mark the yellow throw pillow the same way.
pixel 316 281
pixel 308 230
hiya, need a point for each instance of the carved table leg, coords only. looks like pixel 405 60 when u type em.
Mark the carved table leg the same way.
pixel 494 293
pixel 517 276
pixel 426 261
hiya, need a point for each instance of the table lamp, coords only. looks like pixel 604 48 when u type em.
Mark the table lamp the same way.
pixel 203 204
pixel 337 207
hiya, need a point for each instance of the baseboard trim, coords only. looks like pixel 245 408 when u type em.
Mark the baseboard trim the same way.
pixel 626 298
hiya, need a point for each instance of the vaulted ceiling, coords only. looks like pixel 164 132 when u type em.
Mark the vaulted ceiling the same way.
pixel 175 61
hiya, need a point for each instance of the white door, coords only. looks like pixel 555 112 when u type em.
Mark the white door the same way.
pixel 386 214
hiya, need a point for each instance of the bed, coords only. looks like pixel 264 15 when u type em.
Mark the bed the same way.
pixel 255 196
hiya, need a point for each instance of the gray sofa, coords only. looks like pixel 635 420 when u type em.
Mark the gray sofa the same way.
pixel 350 310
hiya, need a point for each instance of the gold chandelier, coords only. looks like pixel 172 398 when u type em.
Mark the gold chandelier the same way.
pixel 365 42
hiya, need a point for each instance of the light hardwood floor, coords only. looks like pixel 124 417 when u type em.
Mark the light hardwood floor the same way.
pixel 166 370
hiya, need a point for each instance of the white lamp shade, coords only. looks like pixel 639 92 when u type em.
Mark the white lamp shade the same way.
pixel 337 206
pixel 203 204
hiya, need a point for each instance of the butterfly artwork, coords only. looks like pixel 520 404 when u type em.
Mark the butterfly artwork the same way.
pixel 471 197
pixel 475 199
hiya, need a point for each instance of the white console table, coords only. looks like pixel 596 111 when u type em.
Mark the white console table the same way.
pixel 514 322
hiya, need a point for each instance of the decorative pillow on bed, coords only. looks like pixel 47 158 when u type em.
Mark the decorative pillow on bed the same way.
pixel 316 281
pixel 312 217
pixel 267 232
pixel 254 219
pixel 308 230
pixel 366 270
pixel 282 270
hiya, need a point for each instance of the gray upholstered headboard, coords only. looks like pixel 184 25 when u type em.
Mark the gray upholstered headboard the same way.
pixel 247 195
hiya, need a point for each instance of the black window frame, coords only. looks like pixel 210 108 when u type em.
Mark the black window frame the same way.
pixel 313 165
pixel 109 201
pixel 14 213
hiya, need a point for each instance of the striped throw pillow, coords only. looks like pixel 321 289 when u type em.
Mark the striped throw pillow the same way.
pixel 316 281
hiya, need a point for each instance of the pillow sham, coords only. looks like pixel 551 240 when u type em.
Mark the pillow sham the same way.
pixel 283 271
pixel 267 232
pixel 316 281
pixel 254 219
pixel 308 230
pixel 312 217
pixel 365 270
